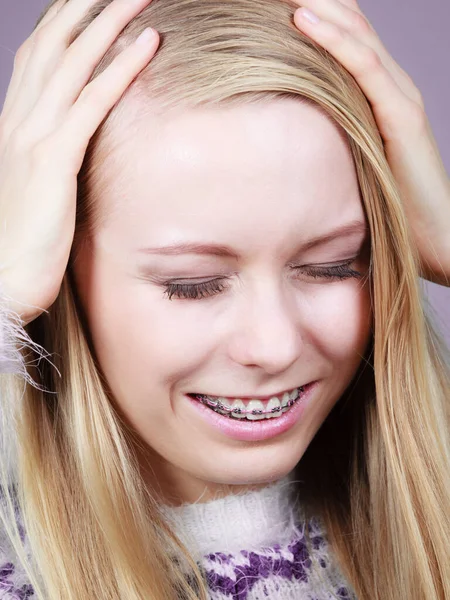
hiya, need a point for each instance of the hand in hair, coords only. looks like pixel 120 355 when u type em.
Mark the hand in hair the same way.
pixel 50 113
pixel 398 108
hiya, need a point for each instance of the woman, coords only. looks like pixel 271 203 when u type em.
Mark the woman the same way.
pixel 136 460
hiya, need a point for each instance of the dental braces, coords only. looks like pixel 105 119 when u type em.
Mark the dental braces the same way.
pixel 256 411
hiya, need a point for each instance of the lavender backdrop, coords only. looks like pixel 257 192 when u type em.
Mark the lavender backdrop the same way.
pixel 415 32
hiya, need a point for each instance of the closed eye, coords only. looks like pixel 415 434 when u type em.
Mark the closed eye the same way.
pixel 196 291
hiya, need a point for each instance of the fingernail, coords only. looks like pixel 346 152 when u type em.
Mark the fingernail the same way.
pixel 309 16
pixel 145 36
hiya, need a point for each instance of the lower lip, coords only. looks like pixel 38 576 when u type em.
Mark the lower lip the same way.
pixel 255 431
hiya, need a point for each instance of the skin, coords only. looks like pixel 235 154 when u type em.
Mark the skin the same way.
pixel 264 180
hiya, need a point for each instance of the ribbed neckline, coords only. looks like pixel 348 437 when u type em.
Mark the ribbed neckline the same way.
pixel 250 520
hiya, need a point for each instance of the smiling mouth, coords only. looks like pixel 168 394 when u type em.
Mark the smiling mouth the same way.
pixel 253 409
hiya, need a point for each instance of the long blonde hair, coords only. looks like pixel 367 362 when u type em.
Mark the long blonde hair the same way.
pixel 377 472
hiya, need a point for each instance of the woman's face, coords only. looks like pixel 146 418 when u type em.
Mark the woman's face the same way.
pixel 276 185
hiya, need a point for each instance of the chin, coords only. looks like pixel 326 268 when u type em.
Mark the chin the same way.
pixel 252 471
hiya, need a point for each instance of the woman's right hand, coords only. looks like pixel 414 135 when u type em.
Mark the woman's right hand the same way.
pixel 50 113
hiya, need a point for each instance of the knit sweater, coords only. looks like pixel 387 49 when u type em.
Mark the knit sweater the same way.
pixel 251 546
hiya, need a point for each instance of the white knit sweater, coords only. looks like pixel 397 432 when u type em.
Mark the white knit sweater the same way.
pixel 251 546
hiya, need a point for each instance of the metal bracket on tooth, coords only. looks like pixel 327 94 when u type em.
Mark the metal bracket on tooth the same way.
pixel 255 411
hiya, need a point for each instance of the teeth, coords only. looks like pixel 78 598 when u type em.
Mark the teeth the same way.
pixel 238 404
pixel 254 410
pixel 287 397
pixel 275 403
pixel 258 407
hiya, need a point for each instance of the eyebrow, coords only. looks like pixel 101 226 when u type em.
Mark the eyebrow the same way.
pixel 353 227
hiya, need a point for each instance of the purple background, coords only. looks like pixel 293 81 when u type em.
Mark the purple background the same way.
pixel 415 32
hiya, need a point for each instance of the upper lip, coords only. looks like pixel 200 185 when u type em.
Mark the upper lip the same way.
pixel 242 397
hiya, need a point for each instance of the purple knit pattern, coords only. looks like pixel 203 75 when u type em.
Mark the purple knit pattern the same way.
pixel 7 586
pixel 266 564
pixel 262 565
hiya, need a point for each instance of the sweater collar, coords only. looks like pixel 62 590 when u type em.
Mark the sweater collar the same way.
pixel 250 520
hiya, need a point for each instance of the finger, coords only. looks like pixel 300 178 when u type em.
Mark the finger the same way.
pixel 49 12
pixel 339 13
pixel 99 96
pixel 353 4
pixel 44 49
pixel 366 66
pixel 22 56
pixel 333 11
pixel 79 61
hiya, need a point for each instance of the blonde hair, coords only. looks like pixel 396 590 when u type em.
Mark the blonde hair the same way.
pixel 377 472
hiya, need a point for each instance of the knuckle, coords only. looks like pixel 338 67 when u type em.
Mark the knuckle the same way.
pixel 95 94
pixel 359 23
pixel 22 52
pixel 415 94
pixel 40 34
pixel 416 116
pixel 369 60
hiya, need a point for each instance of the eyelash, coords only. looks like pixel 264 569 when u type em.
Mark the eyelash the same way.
pixel 206 289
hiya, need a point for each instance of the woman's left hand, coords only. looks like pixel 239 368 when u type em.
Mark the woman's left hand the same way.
pixel 398 108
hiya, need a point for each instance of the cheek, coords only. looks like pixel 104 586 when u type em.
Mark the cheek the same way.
pixel 175 335
pixel 341 320
pixel 145 338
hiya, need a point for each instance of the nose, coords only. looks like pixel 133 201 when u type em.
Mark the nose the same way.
pixel 268 332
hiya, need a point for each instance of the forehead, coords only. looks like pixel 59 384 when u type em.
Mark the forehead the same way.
pixel 223 167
